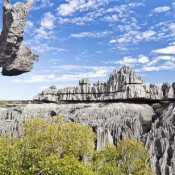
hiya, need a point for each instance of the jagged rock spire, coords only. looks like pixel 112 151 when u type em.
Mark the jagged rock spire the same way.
pixel 123 84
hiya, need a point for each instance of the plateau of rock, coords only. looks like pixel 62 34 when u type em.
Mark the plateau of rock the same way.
pixel 121 85
pixel 15 57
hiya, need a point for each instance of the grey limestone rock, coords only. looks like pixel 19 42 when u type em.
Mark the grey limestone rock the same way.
pixel 121 85
pixel 160 142
pixel 111 122
pixel 15 57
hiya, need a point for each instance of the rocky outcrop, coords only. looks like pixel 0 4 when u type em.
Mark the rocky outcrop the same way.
pixel 121 85
pixel 111 122
pixel 160 141
pixel 15 57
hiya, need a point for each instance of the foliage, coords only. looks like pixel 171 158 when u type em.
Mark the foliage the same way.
pixel 47 147
pixel 54 147
pixel 128 157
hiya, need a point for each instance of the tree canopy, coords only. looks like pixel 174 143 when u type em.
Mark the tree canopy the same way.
pixel 48 147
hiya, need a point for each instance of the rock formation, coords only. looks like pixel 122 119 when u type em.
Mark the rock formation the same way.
pixel 15 57
pixel 160 141
pixel 111 122
pixel 122 85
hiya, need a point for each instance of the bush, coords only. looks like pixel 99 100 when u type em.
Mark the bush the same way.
pixel 53 146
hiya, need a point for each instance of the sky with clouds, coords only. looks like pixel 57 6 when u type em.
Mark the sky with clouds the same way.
pixel 92 38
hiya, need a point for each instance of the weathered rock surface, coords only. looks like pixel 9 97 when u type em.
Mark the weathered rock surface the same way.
pixel 15 57
pixel 160 141
pixel 122 85
pixel 111 122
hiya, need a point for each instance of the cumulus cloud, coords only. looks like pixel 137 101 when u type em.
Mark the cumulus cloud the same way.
pixel 42 33
pixel 128 60
pixel 48 21
pixel 161 9
pixel 112 18
pixel 134 36
pixel 70 12
pixel 143 59
pixel 167 50
pixel 79 5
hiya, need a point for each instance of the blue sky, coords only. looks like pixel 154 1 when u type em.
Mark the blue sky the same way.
pixel 91 38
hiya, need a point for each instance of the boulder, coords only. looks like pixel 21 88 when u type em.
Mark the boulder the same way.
pixel 15 57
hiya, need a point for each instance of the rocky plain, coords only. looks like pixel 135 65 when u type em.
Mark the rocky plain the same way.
pixel 123 107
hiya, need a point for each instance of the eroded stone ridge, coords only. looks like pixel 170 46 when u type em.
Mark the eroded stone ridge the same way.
pixel 111 122
pixel 15 57
pixel 121 85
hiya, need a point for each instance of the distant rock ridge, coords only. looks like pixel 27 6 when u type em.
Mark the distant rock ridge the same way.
pixel 121 85
pixel 15 57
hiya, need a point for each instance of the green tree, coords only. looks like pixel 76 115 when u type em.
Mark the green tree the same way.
pixel 54 147
pixel 128 157
pixel 47 147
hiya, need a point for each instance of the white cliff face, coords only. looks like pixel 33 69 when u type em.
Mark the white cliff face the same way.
pixel 121 85
pixel 15 57
pixel 111 122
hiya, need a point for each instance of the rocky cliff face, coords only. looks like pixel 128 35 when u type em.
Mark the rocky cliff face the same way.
pixel 15 57
pixel 111 122
pixel 121 85
pixel 160 141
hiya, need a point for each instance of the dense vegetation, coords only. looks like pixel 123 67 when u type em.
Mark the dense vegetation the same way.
pixel 54 147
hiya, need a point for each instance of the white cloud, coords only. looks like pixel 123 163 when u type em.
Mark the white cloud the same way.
pixel 161 9
pixel 112 18
pixel 79 5
pixel 91 34
pixel 39 4
pixel 42 33
pixel 112 41
pixel 163 58
pixel 92 72
pixel 148 34
pixel 29 25
pixel 130 61
pixel 143 59
pixel 134 37
pixel 167 50
pixel 48 21
pixel 44 48
pixel 156 68
pixel 36 79
pixel 94 11
pixel 172 26
pixel 127 61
